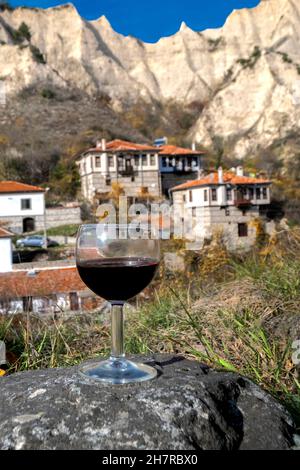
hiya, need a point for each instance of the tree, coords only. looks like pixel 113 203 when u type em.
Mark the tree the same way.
pixel 25 31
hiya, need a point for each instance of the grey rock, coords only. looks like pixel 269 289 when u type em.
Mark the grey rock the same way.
pixel 188 406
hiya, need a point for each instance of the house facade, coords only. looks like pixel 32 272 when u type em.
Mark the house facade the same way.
pixel 22 207
pixel 45 291
pixel 226 202
pixel 5 250
pixel 139 169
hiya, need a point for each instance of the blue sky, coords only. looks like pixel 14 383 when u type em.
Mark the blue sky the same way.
pixel 151 19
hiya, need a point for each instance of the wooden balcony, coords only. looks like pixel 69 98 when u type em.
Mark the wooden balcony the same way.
pixel 243 203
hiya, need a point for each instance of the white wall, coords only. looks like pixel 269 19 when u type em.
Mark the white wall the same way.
pixel 5 255
pixel 10 204
pixel 87 164
pixel 198 197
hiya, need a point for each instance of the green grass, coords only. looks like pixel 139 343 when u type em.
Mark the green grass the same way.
pixel 69 230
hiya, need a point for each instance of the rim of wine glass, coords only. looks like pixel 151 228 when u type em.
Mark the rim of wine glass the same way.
pixel 151 230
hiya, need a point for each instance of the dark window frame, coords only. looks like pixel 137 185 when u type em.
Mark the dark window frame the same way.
pixel 243 230
pixel 152 160
pixel 111 161
pixel 97 160
pixel 258 193
pixel 205 195
pixel 229 194
pixel 29 207
pixel 264 193
pixel 214 194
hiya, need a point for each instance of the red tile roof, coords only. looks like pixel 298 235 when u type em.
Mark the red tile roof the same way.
pixel 5 233
pixel 18 284
pixel 228 178
pixel 173 150
pixel 16 187
pixel 124 146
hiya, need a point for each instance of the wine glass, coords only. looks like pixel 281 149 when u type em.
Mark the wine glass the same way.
pixel 117 262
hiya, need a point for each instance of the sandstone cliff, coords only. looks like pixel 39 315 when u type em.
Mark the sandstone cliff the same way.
pixel 245 75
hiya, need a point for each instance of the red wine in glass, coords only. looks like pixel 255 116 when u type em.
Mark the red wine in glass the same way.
pixel 117 279
pixel 116 268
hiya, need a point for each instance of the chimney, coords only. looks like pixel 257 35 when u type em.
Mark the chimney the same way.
pixel 194 146
pixel 239 171
pixel 103 144
pixel 220 175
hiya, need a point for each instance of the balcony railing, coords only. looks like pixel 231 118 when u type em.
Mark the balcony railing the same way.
pixel 243 202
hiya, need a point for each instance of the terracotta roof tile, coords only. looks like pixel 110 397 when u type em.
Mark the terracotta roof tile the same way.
pixel 228 177
pixel 18 284
pixel 124 146
pixel 16 187
pixel 173 150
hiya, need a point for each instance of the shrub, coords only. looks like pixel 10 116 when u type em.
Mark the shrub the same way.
pixel 37 55
pixel 214 43
pixel 24 31
pixel 48 93
pixel 251 61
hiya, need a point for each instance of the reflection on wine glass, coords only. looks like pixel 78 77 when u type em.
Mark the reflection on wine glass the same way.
pixel 116 268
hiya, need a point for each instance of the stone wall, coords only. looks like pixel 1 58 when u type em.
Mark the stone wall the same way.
pixel 15 224
pixel 132 188
pixel 62 216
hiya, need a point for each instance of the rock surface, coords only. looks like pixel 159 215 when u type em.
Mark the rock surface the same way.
pixel 245 75
pixel 187 407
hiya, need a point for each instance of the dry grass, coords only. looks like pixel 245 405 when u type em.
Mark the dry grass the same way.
pixel 234 317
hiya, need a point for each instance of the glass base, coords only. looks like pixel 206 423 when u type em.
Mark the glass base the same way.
pixel 118 371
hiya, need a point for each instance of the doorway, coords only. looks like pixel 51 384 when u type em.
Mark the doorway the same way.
pixel 28 225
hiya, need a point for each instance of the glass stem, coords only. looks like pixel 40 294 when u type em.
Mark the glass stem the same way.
pixel 117 331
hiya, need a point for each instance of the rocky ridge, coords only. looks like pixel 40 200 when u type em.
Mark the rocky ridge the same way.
pixel 245 76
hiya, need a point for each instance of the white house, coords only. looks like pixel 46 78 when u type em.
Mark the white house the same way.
pixel 226 202
pixel 22 206
pixel 139 169
pixel 5 251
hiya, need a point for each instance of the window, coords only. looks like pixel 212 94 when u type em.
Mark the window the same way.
pixel 25 204
pixel 97 162
pixel 144 160
pixel 194 211
pixel 251 193
pixel 265 193
pixel 205 195
pixel 164 162
pixel 243 230
pixel 257 193
pixel 111 162
pixel 214 194
pixel 229 194
pixel 184 198
pixel 191 196
pixel 152 160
